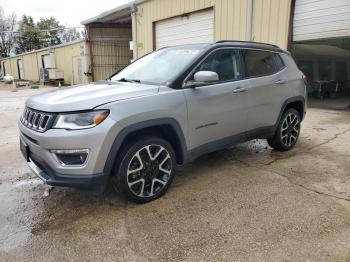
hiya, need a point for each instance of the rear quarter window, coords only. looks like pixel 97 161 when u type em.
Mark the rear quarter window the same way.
pixel 279 64
pixel 261 63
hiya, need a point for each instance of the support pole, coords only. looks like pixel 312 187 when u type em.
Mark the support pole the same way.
pixel 248 34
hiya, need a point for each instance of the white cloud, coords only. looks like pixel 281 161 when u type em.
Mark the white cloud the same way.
pixel 68 12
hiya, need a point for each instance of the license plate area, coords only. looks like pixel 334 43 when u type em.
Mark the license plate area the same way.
pixel 24 149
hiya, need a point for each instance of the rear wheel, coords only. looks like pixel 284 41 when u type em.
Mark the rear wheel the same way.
pixel 146 169
pixel 288 130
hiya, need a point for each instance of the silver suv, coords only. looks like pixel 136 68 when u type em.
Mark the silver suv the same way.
pixel 163 110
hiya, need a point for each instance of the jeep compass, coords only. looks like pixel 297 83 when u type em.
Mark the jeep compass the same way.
pixel 165 109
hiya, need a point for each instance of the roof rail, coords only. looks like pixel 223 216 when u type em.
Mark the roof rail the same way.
pixel 251 42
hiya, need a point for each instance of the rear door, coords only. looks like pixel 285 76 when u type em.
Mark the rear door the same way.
pixel 266 89
pixel 217 111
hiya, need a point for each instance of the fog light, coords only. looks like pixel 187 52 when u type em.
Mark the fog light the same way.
pixel 71 157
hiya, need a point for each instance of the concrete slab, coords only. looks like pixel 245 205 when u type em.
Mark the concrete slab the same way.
pixel 247 203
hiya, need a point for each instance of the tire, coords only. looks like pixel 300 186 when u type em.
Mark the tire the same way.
pixel 145 169
pixel 287 132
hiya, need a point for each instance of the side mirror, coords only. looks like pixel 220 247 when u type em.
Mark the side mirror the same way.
pixel 203 78
pixel 206 76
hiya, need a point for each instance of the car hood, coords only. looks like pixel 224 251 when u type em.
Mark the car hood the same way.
pixel 85 97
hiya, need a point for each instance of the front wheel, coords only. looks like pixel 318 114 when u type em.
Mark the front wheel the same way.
pixel 287 132
pixel 146 169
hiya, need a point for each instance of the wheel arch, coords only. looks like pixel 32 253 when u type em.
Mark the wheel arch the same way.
pixel 167 128
pixel 297 102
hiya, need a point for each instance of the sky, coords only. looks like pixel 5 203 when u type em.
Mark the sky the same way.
pixel 69 12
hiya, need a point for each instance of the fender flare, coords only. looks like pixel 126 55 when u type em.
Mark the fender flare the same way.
pixel 120 138
pixel 288 101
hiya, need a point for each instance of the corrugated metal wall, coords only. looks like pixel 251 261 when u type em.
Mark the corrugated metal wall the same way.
pixel 31 65
pixel 64 60
pixel 270 19
pixel 110 49
pixel 321 19
pixel 8 67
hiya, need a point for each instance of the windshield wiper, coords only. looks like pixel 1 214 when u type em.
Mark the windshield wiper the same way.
pixel 129 80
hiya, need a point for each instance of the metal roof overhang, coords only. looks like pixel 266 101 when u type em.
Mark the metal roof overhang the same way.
pixel 119 15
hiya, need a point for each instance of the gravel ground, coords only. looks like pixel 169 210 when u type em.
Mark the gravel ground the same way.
pixel 247 203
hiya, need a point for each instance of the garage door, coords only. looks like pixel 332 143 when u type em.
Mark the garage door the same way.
pixel 197 27
pixel 316 19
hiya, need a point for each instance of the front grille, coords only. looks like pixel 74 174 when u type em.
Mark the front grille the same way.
pixel 36 120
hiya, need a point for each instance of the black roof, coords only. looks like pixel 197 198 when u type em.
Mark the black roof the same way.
pixel 249 44
pixel 234 43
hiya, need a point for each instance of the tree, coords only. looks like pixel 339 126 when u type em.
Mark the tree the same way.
pixel 50 31
pixel 7 27
pixel 71 35
pixel 29 37
pixel 45 33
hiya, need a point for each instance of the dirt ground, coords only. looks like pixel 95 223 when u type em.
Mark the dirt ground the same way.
pixel 247 203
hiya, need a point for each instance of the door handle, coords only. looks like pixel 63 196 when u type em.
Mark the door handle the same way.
pixel 280 82
pixel 240 90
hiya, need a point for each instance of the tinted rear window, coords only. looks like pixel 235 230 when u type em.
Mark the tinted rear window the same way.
pixel 261 63
pixel 278 62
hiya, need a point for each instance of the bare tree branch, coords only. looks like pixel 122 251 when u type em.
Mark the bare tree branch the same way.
pixel 7 26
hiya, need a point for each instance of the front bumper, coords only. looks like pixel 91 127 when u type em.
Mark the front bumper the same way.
pixel 97 182
pixel 44 164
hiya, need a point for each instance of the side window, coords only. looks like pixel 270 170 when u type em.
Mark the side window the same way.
pixel 279 62
pixel 224 62
pixel 259 63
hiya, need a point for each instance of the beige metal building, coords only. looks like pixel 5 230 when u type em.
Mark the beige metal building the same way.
pixel 70 58
pixel 117 36
pixel 110 50
pixel 152 24
pixel 109 37
pixel 158 23
pixel 317 32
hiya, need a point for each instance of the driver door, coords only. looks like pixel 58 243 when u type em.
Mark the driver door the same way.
pixel 217 112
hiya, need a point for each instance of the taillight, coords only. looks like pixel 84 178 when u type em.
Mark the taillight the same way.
pixel 306 80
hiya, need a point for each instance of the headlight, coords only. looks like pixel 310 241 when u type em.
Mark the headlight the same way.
pixel 80 120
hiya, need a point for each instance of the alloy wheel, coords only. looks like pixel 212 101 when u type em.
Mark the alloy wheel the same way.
pixel 290 129
pixel 149 170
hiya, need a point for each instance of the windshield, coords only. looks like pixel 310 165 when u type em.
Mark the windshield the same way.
pixel 159 67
